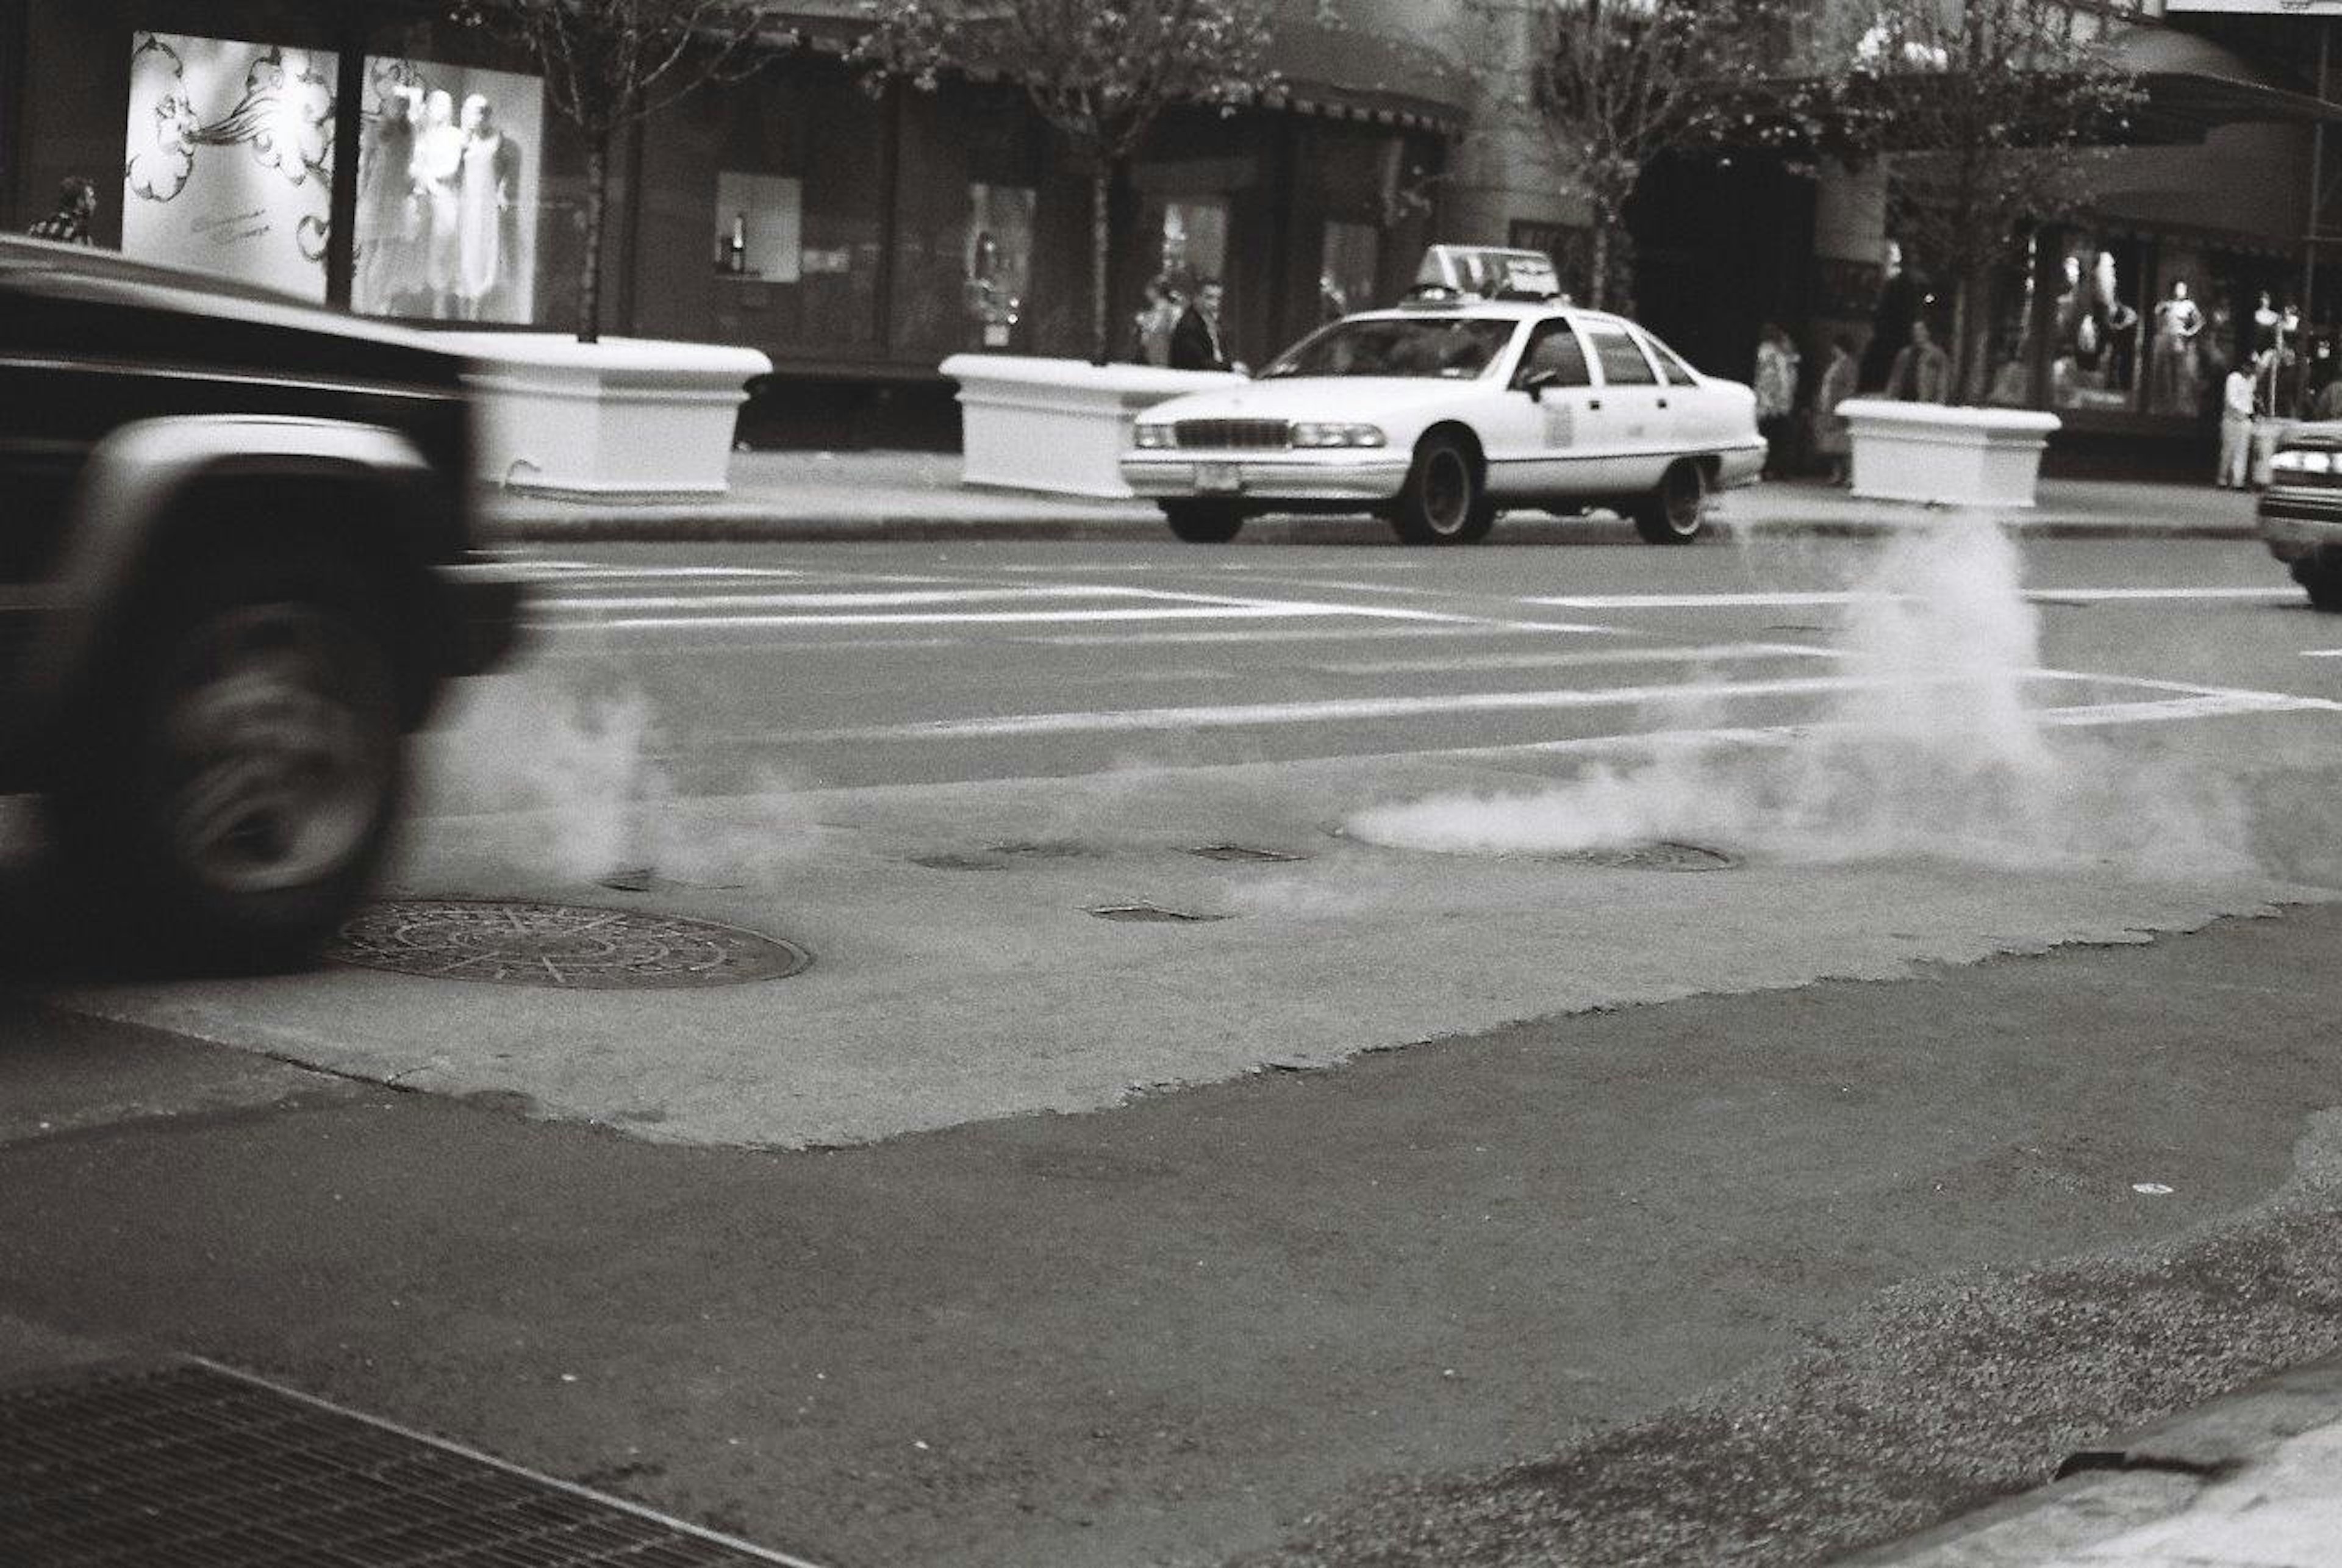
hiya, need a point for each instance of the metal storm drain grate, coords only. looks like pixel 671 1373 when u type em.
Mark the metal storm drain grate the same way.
pixel 1243 852
pixel 1149 912
pixel 193 1465
pixel 1659 855
pixel 560 944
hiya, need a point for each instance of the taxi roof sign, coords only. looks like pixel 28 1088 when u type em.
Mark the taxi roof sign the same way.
pixel 1488 271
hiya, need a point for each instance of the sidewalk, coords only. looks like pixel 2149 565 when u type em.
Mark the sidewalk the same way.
pixel 814 496
pixel 2250 1480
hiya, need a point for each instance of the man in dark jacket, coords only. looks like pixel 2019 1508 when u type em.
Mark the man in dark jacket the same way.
pixel 1196 342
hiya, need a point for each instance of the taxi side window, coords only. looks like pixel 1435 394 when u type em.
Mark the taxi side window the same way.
pixel 1623 363
pixel 1555 348
pixel 1671 364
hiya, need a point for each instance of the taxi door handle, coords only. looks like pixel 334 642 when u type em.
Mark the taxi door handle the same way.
pixel 1593 403
pixel 1663 403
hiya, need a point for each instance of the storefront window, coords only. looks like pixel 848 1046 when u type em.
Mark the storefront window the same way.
pixel 759 227
pixel 228 159
pixel 999 259
pixel 447 192
pixel 2101 331
pixel 1348 268
pixel 799 185
pixel 1194 241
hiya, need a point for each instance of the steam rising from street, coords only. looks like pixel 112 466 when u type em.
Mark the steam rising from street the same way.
pixel 1935 754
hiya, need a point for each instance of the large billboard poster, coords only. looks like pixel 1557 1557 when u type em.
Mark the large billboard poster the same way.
pixel 228 161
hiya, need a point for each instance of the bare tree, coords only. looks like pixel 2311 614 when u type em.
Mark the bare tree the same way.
pixel 610 63
pixel 1615 84
pixel 1988 111
pixel 1100 72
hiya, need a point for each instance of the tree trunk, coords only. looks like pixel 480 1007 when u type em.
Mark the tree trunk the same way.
pixel 1597 264
pixel 1101 193
pixel 589 269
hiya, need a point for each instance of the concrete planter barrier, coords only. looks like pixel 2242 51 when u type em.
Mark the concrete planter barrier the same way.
pixel 1057 425
pixel 625 419
pixel 1945 456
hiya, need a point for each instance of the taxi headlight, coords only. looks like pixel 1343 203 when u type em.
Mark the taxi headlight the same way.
pixel 2308 462
pixel 1155 437
pixel 1322 434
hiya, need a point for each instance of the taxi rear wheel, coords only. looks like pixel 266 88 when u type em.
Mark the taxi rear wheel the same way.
pixel 1441 503
pixel 1204 522
pixel 1674 512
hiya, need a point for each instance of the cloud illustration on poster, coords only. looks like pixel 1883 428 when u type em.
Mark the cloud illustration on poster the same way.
pixel 285 115
pixel 161 153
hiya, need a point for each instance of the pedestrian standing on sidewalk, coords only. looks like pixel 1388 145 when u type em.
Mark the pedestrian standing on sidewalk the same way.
pixel 69 224
pixel 1196 342
pixel 1830 437
pixel 1157 322
pixel 1777 395
pixel 2237 426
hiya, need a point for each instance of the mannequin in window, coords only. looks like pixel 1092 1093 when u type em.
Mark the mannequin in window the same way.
pixel 487 193
pixel 2120 323
pixel 438 170
pixel 2171 377
pixel 389 218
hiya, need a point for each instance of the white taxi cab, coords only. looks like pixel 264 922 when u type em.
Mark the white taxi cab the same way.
pixel 1440 412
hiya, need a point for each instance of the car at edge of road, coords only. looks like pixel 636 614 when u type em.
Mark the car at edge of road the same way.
pixel 2300 511
pixel 1437 413
pixel 237 559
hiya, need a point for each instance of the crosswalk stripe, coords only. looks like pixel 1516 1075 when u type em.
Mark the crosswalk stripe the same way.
pixel 1840 597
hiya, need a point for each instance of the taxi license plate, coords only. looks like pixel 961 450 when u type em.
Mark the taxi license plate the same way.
pixel 1220 478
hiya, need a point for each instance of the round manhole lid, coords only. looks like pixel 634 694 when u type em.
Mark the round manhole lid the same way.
pixel 516 943
pixel 1661 855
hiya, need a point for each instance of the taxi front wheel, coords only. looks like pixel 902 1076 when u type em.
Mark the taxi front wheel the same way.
pixel 1204 522
pixel 1442 503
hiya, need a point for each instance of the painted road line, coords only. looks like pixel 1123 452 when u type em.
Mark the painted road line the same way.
pixel 1298 634
pixel 1805 600
pixel 2191 689
pixel 858 599
pixel 1573 659
pixel 973 617
pixel 1333 711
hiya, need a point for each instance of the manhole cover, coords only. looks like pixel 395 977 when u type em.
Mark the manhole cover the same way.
pixel 195 1466
pixel 509 943
pixel 1149 912
pixel 1660 856
pixel 1240 852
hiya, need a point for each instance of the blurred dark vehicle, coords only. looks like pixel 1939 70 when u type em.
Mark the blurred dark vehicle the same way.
pixel 237 562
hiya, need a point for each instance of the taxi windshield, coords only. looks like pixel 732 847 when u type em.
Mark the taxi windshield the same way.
pixel 1451 347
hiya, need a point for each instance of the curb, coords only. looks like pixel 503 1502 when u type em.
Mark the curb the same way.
pixel 700 526
pixel 2151 1475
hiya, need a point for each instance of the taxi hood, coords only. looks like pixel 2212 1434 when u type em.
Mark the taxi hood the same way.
pixel 1322 397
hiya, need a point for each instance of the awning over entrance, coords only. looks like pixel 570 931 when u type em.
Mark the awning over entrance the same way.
pixel 2194 85
pixel 1349 72
pixel 1354 74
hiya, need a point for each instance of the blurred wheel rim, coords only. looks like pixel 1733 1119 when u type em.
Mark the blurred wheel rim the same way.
pixel 276 739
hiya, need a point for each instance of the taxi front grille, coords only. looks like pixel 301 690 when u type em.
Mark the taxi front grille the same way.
pixel 1234 434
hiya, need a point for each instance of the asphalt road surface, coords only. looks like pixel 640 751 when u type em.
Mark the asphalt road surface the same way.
pixel 1724 1032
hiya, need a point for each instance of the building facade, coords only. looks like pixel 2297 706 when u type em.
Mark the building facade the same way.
pixel 384 156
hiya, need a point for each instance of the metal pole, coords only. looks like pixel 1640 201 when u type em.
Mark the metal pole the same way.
pixel 2317 220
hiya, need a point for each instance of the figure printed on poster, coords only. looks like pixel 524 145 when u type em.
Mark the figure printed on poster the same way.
pixel 229 158
pixel 446 193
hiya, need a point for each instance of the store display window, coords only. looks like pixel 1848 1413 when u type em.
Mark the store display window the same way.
pixel 2099 342
pixel 447 192
pixel 759 227
pixel 229 159
pixel 1194 237
pixel 1349 267
pixel 999 259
